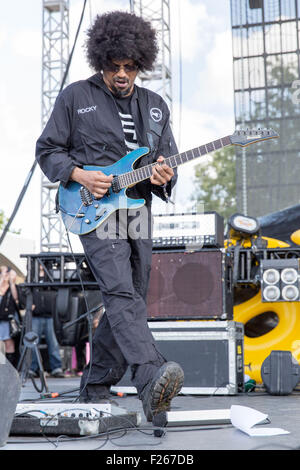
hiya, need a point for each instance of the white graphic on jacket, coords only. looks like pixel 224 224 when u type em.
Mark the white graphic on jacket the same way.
pixel 129 131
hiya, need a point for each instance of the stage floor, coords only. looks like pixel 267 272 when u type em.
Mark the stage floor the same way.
pixel 283 412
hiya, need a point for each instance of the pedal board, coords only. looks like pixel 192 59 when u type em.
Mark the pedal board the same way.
pixel 71 419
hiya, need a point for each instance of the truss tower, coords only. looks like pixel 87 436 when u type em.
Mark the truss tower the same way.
pixel 160 79
pixel 55 57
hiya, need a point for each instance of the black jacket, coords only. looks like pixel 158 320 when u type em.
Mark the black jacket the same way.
pixel 85 129
pixel 44 302
pixel 8 305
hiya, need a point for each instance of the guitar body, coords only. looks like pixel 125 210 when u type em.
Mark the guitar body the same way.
pixel 80 219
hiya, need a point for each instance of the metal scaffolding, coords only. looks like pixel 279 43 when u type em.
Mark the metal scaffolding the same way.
pixel 266 71
pixel 160 79
pixel 55 59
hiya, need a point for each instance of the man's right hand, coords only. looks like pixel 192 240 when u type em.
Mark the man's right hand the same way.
pixel 95 181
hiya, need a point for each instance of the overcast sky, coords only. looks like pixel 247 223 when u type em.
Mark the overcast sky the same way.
pixel 207 90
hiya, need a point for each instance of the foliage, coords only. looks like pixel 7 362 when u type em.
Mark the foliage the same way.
pixel 215 183
pixel 3 221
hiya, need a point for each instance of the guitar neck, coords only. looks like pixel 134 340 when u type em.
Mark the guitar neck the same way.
pixel 143 173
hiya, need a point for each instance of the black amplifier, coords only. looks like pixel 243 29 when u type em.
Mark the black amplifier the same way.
pixel 193 230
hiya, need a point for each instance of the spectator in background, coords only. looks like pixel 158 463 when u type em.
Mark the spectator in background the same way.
pixel 10 299
pixel 42 324
pixel 80 348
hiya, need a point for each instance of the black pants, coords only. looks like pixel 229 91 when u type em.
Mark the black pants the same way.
pixel 122 338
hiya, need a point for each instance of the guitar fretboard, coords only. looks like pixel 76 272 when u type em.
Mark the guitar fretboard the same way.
pixel 145 172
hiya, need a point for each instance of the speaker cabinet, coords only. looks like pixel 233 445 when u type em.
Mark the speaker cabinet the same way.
pixel 10 390
pixel 70 305
pixel 190 285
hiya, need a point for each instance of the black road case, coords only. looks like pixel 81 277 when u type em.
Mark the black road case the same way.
pixel 211 354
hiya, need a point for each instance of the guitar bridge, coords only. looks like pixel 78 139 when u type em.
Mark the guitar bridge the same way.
pixel 86 196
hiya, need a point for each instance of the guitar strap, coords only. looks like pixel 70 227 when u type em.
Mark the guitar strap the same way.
pixel 57 200
pixel 150 125
pixel 147 124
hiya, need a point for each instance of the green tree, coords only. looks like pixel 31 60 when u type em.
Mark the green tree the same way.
pixel 4 220
pixel 215 180
pixel 1 219
pixel 215 183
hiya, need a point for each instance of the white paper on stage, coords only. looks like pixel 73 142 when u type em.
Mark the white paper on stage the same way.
pixel 244 418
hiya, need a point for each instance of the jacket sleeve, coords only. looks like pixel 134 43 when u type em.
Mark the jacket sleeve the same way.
pixel 52 147
pixel 21 297
pixel 167 147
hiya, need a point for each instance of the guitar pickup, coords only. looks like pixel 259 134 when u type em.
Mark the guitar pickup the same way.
pixel 100 214
pixel 115 185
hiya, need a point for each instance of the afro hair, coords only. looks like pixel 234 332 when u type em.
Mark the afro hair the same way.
pixel 119 35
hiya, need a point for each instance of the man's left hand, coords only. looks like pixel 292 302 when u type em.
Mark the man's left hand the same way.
pixel 161 173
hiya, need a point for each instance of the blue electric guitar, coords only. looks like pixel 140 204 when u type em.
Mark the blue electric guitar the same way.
pixel 82 212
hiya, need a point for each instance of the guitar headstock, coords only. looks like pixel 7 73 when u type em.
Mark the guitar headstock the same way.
pixel 250 136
